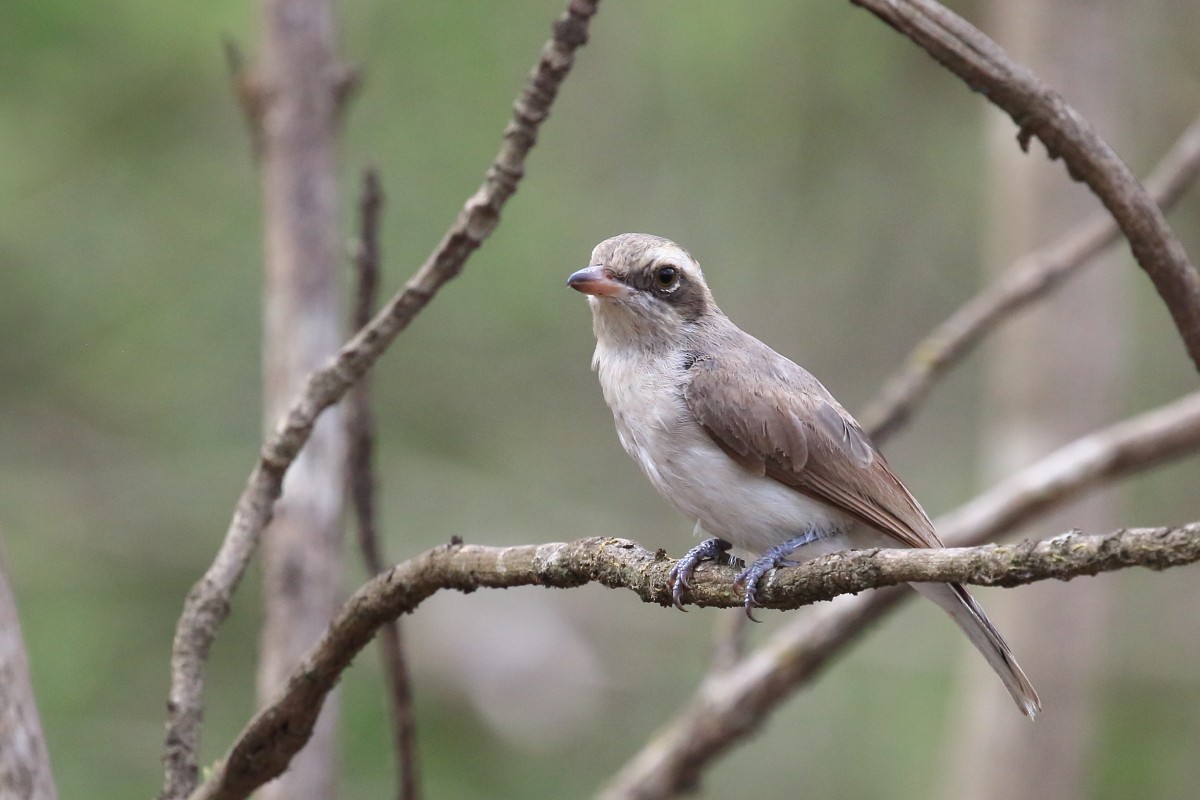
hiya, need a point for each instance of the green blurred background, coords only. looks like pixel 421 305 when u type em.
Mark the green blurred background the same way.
pixel 827 174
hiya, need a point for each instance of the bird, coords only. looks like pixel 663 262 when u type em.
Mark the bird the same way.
pixel 746 443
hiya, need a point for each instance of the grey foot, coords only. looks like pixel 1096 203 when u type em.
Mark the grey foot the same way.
pixel 709 550
pixel 777 556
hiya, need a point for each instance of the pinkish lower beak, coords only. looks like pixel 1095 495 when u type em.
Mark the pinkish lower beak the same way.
pixel 598 281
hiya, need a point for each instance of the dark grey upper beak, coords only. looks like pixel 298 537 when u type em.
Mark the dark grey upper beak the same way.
pixel 598 281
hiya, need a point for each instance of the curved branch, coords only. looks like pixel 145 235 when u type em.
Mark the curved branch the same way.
pixel 207 604
pixel 741 697
pixel 277 732
pixel 1039 111
pixel 732 704
pixel 1033 276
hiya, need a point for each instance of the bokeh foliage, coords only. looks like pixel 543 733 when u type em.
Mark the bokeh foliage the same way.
pixel 827 174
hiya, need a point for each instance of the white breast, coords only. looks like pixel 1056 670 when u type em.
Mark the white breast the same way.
pixel 685 465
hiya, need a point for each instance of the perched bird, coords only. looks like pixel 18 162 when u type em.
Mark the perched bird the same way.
pixel 743 441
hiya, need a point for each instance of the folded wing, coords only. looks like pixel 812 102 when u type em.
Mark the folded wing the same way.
pixel 775 419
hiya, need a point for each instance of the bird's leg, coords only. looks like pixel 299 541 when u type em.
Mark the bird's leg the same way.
pixel 777 556
pixel 713 549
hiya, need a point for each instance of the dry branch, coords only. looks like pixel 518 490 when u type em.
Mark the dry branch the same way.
pixel 278 731
pixel 1031 278
pixel 1039 111
pixel 207 604
pixel 360 480
pixel 729 707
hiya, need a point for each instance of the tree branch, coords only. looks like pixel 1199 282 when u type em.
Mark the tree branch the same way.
pixel 360 480
pixel 1039 111
pixel 278 731
pixel 730 706
pixel 207 604
pixel 1032 277
pixel 760 682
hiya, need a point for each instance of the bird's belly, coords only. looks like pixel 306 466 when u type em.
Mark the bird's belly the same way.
pixel 686 466
pixel 751 511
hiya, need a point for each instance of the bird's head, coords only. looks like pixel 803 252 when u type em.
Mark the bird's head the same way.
pixel 643 288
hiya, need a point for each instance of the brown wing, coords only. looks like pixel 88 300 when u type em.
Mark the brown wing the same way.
pixel 777 420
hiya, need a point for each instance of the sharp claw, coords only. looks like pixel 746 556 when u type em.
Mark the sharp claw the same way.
pixel 710 549
pixel 777 556
pixel 678 583
pixel 749 603
pixel 677 595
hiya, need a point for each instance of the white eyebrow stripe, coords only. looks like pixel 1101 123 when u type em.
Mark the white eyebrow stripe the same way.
pixel 677 256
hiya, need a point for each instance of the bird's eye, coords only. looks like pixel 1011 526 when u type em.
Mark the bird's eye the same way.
pixel 667 277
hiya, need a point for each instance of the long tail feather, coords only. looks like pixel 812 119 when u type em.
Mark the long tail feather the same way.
pixel 960 605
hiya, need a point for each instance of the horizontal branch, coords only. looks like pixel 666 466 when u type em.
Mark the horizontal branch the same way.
pixel 277 732
pixel 726 710
pixel 1030 278
pixel 1040 111
pixel 1064 557
pixel 207 604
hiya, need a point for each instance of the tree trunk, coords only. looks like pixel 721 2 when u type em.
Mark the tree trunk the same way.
pixel 299 87
pixel 1054 374
pixel 24 765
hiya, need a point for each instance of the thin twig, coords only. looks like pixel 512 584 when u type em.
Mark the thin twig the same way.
pixel 734 704
pixel 1039 111
pixel 360 479
pixel 1032 277
pixel 247 88
pixel 207 605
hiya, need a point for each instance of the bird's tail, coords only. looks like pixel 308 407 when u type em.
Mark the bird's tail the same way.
pixel 956 602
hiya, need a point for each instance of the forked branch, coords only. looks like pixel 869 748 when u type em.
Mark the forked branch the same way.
pixel 730 706
pixel 280 730
pixel 207 604
pixel 1039 111
pixel 1031 278
pixel 761 681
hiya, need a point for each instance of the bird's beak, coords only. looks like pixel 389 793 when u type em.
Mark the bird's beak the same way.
pixel 596 280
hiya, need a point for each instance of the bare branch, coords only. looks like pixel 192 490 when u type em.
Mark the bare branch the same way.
pixel 717 718
pixel 207 604
pixel 360 479
pixel 367 256
pixel 278 731
pixel 1133 445
pixel 1032 277
pixel 1039 111
pixel 729 707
